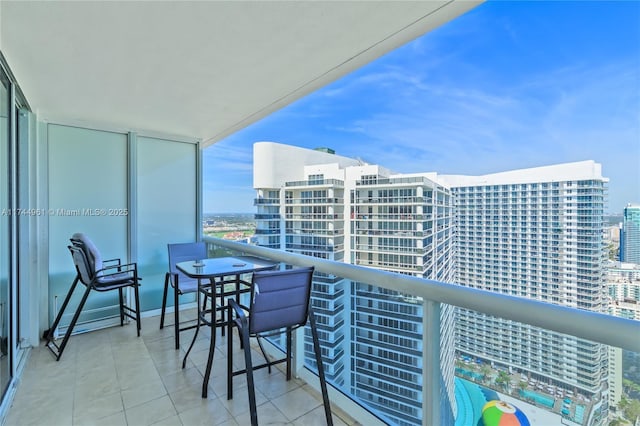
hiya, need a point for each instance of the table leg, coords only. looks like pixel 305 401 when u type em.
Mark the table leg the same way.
pixel 212 343
pixel 195 335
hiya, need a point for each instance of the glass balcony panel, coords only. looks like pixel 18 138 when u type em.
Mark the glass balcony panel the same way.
pixel 377 350
pixel 550 377
pixel 163 167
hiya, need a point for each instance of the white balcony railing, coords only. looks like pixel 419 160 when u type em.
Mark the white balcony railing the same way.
pixel 430 294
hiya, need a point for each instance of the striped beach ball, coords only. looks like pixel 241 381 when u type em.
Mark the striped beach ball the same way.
pixel 500 413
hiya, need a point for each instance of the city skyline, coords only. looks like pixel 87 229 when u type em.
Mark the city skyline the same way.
pixel 506 86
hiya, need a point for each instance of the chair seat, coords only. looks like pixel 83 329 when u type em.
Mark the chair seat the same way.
pixel 113 281
pixel 187 285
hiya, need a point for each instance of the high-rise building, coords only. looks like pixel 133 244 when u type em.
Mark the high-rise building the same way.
pixel 535 233
pixel 319 204
pixel 623 281
pixel 630 234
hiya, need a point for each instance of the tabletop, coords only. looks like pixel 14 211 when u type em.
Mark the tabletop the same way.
pixel 221 266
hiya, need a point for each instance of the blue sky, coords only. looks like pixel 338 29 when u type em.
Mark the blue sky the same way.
pixel 508 85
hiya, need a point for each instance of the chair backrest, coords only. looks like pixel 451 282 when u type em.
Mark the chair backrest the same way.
pixel 85 256
pixel 93 254
pixel 279 299
pixel 182 252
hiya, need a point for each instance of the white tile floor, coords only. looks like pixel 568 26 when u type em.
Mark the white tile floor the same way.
pixel 111 377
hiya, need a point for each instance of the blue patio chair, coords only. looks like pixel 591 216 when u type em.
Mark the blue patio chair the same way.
pixel 99 275
pixel 280 302
pixel 181 252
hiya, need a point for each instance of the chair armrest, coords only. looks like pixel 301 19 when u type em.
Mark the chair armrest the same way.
pixel 116 261
pixel 119 269
pixel 239 310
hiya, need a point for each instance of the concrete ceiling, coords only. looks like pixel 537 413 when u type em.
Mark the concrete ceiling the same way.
pixel 200 69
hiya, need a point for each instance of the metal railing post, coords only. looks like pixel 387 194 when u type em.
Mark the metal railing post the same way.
pixel 431 381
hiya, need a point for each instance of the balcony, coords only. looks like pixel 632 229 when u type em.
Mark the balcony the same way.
pixel 142 140
pixel 111 377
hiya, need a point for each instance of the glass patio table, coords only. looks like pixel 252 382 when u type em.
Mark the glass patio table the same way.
pixel 212 275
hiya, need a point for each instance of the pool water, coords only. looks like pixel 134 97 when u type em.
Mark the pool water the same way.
pixel 470 398
pixel 540 399
pixel 579 415
pixel 468 373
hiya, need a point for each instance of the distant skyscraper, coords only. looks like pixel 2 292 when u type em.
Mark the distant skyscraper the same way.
pixel 630 236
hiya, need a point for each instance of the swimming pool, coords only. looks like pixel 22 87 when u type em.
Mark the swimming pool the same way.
pixel 468 373
pixel 540 399
pixel 470 398
pixel 579 415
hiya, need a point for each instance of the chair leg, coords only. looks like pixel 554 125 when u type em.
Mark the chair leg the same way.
pixel 164 300
pixel 250 385
pixel 72 323
pixel 230 354
pixel 176 316
pixel 121 300
pixel 48 334
pixel 136 293
pixel 323 383
pixel 222 314
pixel 264 353
pixel 289 339
pixel 212 350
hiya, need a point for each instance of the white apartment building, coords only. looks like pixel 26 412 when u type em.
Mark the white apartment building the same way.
pixel 535 233
pixel 614 381
pixel 324 205
pixel 623 281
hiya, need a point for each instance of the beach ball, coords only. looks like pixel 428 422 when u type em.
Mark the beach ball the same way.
pixel 500 413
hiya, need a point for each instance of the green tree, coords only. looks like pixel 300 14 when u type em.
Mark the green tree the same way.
pixel 485 370
pixel 613 251
pixel 522 385
pixel 632 410
pixel 503 380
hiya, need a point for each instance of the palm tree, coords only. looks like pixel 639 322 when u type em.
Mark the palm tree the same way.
pixel 522 386
pixel 503 380
pixel 485 370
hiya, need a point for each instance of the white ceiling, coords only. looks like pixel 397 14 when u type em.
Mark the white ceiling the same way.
pixel 197 69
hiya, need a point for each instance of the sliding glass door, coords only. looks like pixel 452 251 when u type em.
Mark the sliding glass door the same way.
pixel 6 237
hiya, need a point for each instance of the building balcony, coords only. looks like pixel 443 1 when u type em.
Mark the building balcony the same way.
pixel 266 201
